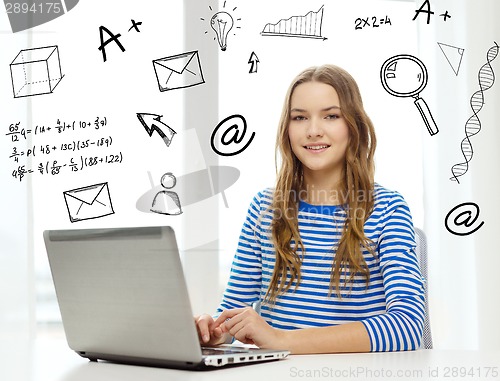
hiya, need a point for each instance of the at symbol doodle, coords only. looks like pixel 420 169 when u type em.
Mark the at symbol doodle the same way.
pixel 231 134
pixel 462 218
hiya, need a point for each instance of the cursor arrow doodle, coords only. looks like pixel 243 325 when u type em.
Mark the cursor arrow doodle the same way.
pixel 152 123
pixel 253 60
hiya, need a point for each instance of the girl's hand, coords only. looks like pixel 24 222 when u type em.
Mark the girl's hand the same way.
pixel 208 333
pixel 247 326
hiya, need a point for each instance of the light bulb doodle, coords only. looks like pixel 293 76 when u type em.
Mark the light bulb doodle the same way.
pixel 486 78
pixel 222 24
pixel 406 76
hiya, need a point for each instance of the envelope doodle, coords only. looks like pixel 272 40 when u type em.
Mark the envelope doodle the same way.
pixel 88 202
pixel 179 71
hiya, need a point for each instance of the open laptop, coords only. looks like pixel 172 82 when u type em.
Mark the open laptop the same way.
pixel 123 298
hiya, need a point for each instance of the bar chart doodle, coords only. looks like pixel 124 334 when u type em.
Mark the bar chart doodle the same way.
pixel 453 55
pixel 486 78
pixel 307 26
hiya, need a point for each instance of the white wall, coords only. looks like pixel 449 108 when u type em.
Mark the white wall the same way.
pixel 465 296
pixel 16 228
pixel 408 159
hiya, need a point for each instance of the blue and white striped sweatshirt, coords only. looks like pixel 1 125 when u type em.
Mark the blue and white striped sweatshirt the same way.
pixel 392 305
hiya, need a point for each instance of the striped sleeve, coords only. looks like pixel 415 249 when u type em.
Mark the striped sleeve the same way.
pixel 245 280
pixel 401 327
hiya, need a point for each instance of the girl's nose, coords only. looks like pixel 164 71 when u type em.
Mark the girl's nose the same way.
pixel 314 128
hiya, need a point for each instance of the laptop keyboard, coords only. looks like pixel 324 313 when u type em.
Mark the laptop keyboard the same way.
pixel 205 351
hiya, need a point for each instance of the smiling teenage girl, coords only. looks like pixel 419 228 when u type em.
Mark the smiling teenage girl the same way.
pixel 328 253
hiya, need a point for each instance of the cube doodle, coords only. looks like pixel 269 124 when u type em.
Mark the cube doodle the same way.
pixel 36 71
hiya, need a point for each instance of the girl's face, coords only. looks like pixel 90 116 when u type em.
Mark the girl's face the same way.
pixel 318 133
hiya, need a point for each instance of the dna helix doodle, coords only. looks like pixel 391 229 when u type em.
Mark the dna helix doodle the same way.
pixel 486 78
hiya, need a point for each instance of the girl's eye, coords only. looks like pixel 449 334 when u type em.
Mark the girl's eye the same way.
pixel 332 116
pixel 299 117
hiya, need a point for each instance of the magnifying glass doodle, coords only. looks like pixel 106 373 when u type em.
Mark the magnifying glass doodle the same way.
pixel 406 76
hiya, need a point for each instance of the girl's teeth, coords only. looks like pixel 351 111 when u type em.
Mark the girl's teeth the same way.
pixel 317 147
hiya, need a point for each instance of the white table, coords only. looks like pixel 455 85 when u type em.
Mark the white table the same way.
pixel 52 360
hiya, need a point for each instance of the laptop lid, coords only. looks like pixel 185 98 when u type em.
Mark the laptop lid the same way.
pixel 122 291
pixel 123 297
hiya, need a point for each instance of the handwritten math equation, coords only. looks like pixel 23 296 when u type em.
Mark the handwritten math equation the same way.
pixel 373 22
pixel 16 131
pixel 54 168
pixel 73 153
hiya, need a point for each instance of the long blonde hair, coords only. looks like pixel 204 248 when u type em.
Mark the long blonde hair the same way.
pixel 358 178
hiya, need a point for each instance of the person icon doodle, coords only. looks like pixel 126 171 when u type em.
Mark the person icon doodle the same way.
pixel 166 201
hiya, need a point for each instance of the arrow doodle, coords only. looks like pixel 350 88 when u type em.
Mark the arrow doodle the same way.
pixel 486 79
pixel 152 123
pixel 253 60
